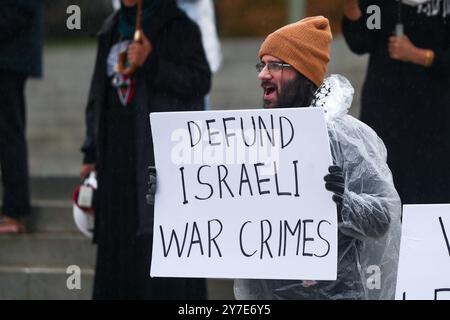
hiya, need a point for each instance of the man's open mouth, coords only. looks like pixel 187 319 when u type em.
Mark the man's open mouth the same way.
pixel 269 92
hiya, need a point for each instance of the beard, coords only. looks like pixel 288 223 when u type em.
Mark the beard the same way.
pixel 297 92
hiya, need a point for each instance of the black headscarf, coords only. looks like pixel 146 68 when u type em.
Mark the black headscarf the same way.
pixel 127 19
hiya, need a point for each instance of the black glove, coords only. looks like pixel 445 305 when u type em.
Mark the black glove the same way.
pixel 150 196
pixel 335 182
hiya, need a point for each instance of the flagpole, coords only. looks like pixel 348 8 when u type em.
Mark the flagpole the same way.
pixel 399 28
pixel 138 36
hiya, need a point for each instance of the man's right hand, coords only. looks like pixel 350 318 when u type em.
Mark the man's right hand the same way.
pixel 151 186
pixel 352 11
pixel 86 169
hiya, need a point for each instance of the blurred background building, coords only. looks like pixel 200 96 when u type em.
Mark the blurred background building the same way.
pixel 235 18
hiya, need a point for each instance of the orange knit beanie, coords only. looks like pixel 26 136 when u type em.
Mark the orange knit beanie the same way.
pixel 305 45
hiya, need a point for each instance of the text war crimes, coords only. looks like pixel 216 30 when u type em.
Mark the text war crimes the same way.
pixel 272 240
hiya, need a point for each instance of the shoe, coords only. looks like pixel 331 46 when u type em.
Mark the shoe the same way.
pixel 11 225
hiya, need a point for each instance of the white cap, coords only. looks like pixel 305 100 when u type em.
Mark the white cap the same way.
pixel 84 221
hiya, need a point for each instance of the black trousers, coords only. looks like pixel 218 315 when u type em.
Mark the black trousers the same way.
pixel 13 146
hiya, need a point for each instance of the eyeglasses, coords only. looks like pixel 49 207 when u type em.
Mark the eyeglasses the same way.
pixel 272 66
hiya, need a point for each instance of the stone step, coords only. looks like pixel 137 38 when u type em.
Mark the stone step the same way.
pixel 43 284
pixel 51 284
pixel 51 216
pixel 52 187
pixel 55 250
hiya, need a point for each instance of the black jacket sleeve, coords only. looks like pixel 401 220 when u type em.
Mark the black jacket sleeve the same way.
pixel 95 98
pixel 185 71
pixel 15 17
pixel 358 36
pixel 441 64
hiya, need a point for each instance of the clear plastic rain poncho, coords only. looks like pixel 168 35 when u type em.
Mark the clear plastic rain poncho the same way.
pixel 369 232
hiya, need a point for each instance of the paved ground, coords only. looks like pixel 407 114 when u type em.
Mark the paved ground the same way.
pixel 56 103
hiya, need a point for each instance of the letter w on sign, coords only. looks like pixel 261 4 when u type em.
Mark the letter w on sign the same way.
pixel 445 235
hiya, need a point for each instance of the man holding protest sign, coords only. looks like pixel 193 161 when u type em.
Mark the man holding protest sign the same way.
pixel 293 64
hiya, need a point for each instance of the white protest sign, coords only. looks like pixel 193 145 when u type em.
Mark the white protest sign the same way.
pixel 241 194
pixel 424 266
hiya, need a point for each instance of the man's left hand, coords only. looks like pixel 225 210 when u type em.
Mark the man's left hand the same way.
pixel 308 283
pixel 335 182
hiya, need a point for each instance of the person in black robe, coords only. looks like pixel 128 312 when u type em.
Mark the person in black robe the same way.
pixel 173 75
pixel 21 41
pixel 406 95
